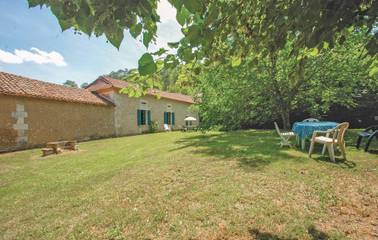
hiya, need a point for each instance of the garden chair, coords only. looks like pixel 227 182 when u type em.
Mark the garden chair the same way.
pixel 285 136
pixel 334 137
pixel 167 127
pixel 310 120
pixel 369 133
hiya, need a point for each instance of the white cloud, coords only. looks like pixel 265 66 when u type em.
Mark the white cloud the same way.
pixel 168 30
pixel 34 55
pixel 166 11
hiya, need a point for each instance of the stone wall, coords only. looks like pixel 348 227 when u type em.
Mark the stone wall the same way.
pixel 29 122
pixel 125 114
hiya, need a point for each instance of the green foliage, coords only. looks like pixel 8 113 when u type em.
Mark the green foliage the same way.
pixel 119 74
pixel 178 79
pixel 70 83
pixel 146 65
pixel 217 30
pixel 311 81
pixel 288 52
pixel 84 85
pixel 153 127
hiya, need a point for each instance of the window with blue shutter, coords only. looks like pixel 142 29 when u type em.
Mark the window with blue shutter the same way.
pixel 142 117
pixel 149 117
pixel 173 118
pixel 165 118
pixel 139 117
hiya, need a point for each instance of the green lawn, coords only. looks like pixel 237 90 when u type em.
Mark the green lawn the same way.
pixel 238 185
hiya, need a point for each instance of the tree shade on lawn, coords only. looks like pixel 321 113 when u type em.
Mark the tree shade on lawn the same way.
pixel 235 185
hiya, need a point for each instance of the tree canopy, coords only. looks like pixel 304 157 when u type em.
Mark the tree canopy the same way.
pixel 212 29
pixel 270 56
pixel 248 95
pixel 70 83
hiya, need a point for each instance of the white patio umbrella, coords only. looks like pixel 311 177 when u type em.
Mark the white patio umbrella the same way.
pixel 190 119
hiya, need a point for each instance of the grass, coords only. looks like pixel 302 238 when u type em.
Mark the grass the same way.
pixel 237 185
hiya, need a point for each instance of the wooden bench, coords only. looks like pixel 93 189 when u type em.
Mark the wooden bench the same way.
pixel 47 151
pixel 57 147
pixel 71 145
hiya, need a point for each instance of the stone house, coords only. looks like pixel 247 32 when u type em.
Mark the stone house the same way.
pixel 34 112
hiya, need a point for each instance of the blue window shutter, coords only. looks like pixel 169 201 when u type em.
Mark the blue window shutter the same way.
pixel 139 117
pixel 149 117
pixel 173 118
pixel 165 118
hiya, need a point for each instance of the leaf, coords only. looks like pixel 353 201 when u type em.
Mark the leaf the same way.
pixel 194 34
pixel 160 52
pixel 136 30
pixel 146 65
pixel 115 37
pixel 212 15
pixel 176 3
pixel 147 38
pixel 170 61
pixel 34 3
pixel 182 15
pixel 193 6
pixel 325 45
pixel 173 44
pixel 236 61
pixel 66 23
pixel 373 71
pixel 314 52
pixel 187 54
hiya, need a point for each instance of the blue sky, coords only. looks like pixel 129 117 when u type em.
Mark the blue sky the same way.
pixel 33 45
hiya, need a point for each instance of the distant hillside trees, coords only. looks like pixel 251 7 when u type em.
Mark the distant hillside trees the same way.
pixel 119 74
pixel 70 83
pixel 84 85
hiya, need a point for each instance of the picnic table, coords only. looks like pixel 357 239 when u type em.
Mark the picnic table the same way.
pixel 57 147
pixel 304 130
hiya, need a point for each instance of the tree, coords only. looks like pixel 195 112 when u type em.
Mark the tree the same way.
pixel 84 85
pixel 261 32
pixel 119 74
pixel 265 90
pixel 212 29
pixel 70 83
pixel 176 79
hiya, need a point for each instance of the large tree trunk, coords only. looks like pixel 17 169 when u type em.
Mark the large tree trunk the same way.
pixel 285 116
pixel 282 101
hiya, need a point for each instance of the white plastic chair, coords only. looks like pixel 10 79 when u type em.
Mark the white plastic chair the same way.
pixel 285 136
pixel 310 120
pixel 333 137
pixel 167 127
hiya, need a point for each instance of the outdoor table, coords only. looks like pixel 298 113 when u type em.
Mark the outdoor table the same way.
pixel 305 129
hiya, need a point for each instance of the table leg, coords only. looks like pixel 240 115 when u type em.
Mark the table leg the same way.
pixel 303 143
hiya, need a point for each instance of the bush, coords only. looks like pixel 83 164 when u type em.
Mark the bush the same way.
pixel 153 127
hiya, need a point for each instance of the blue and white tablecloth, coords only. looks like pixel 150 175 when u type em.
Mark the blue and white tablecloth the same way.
pixel 305 129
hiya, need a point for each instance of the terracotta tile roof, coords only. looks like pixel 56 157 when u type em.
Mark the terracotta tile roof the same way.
pixel 15 85
pixel 107 82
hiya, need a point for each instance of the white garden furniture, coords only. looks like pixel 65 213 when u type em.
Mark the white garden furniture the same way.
pixel 310 120
pixel 333 137
pixel 167 127
pixel 285 136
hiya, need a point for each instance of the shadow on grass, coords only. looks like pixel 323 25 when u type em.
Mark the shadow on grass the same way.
pixel 344 163
pixel 253 149
pixel 312 231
